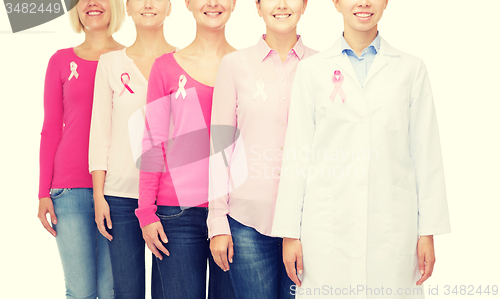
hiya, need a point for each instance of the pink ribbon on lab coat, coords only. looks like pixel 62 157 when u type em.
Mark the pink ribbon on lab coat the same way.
pixel 125 81
pixel 337 83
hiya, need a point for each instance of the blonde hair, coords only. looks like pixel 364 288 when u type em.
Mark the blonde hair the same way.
pixel 117 16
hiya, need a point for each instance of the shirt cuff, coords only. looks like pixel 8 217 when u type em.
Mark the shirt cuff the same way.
pixel 285 234
pixel 434 231
pixel 43 194
pixel 98 167
pixel 147 215
pixel 218 226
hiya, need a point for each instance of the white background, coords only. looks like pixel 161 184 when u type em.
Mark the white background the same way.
pixel 458 40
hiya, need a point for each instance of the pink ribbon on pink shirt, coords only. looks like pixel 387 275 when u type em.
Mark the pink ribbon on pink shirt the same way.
pixel 125 81
pixel 337 83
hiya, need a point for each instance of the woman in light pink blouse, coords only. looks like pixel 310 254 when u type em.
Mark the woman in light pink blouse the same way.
pixel 65 190
pixel 249 120
pixel 173 184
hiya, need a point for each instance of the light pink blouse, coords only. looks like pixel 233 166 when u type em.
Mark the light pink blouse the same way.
pixel 248 126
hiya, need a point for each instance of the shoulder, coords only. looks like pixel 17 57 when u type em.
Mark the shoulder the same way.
pixel 316 58
pixel 408 60
pixel 308 52
pixel 62 55
pixel 111 57
pixel 241 55
pixel 166 59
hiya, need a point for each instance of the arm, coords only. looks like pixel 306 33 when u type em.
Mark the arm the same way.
pixel 100 139
pixel 51 136
pixel 299 137
pixel 153 161
pixel 425 151
pixel 223 129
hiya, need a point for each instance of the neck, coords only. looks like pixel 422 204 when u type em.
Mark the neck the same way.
pixel 98 40
pixel 282 43
pixel 210 42
pixel 359 40
pixel 149 42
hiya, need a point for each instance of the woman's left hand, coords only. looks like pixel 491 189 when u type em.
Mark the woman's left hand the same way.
pixel 426 258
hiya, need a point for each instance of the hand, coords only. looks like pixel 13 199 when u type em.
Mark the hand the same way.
pixel 45 206
pixel 102 216
pixel 221 247
pixel 150 234
pixel 292 257
pixel 426 258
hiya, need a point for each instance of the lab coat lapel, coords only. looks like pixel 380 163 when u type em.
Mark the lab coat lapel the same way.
pixel 378 64
pixel 343 62
pixel 347 68
pixel 381 59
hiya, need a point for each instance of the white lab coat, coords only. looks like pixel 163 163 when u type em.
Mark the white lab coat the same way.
pixel 361 179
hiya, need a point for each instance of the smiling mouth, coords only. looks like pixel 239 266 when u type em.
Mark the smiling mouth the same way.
pixel 282 16
pixel 148 14
pixel 363 15
pixel 213 14
pixel 94 13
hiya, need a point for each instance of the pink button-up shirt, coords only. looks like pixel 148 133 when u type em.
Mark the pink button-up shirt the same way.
pixel 248 126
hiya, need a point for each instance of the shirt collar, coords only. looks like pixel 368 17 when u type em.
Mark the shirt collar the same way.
pixel 375 44
pixel 264 48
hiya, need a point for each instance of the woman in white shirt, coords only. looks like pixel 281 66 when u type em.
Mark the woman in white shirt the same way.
pixel 120 91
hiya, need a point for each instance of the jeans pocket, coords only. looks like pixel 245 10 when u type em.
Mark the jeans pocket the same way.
pixel 169 212
pixel 56 193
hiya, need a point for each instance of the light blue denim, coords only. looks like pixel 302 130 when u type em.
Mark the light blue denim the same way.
pixel 83 250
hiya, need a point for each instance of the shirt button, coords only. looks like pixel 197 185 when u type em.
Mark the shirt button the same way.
pixel 282 79
pixel 283 99
pixel 282 124
pixel 281 148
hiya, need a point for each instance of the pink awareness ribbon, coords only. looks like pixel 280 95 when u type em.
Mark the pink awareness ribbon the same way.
pixel 125 81
pixel 73 66
pixel 337 83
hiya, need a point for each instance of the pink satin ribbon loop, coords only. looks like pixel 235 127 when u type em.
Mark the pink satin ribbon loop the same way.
pixel 337 84
pixel 125 81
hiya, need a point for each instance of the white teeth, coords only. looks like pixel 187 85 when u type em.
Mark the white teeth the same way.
pixel 363 15
pixel 212 13
pixel 148 14
pixel 281 16
pixel 94 13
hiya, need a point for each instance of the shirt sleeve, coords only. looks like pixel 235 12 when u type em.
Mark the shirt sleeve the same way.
pixel 153 165
pixel 100 128
pixel 299 138
pixel 52 124
pixel 222 138
pixel 425 151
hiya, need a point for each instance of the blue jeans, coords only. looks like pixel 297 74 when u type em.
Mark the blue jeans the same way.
pixel 257 271
pixel 183 273
pixel 127 252
pixel 83 250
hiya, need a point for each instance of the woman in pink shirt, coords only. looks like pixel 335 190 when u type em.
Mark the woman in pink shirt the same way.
pixel 249 120
pixel 65 190
pixel 173 185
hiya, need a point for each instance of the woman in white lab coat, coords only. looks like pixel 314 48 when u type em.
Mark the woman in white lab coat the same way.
pixel 362 176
